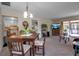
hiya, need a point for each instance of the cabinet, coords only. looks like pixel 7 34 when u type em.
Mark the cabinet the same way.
pixel 55 32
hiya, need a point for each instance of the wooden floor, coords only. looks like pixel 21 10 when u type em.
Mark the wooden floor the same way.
pixel 52 48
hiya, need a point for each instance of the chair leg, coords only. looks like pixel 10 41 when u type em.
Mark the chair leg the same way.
pixel 23 54
pixel 65 40
pixel 38 48
pixel 75 54
pixel 35 49
pixel 68 39
pixel 11 54
pixel 60 39
pixel 30 52
pixel 43 50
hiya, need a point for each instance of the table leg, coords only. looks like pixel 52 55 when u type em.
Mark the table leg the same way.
pixel 33 49
pixel 60 38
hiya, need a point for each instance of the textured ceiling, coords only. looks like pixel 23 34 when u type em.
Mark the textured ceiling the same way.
pixel 49 10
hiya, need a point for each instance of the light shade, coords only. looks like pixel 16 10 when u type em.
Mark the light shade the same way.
pixel 31 15
pixel 25 14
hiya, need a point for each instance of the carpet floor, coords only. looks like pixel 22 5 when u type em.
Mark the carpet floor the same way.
pixel 52 48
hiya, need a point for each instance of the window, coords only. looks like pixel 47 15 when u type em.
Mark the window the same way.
pixel 9 21
pixel 74 28
pixel 66 26
pixel 71 26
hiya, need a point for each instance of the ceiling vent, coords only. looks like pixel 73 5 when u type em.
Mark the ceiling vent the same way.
pixel 5 3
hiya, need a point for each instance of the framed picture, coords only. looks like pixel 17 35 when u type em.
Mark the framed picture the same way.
pixel 10 21
pixel 35 22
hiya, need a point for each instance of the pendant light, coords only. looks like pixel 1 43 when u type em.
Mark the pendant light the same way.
pixel 27 14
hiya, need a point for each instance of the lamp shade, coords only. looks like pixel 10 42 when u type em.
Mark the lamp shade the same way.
pixel 31 15
pixel 25 14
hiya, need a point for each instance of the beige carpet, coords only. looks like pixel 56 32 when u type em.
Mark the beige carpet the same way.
pixel 56 48
pixel 52 48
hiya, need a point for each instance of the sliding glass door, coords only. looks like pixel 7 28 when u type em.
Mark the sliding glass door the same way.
pixel 72 27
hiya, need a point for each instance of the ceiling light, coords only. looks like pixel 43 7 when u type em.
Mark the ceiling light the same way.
pixel 27 14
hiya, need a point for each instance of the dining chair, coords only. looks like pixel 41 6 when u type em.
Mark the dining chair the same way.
pixel 65 37
pixel 16 47
pixel 75 40
pixel 40 44
pixel 61 36
pixel 76 50
pixel 13 30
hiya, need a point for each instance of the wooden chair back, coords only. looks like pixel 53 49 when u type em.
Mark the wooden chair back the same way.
pixel 44 39
pixel 13 30
pixel 15 44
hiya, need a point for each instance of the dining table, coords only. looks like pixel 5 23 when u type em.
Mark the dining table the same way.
pixel 30 38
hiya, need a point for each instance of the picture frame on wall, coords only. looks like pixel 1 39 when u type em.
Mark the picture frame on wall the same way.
pixel 10 21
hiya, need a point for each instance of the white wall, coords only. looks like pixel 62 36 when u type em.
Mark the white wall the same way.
pixel 1 40
pixel 48 22
pixel 8 11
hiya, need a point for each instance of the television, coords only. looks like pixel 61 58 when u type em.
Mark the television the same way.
pixel 55 26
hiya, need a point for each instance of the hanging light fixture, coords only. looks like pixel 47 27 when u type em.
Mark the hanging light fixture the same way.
pixel 31 15
pixel 27 14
